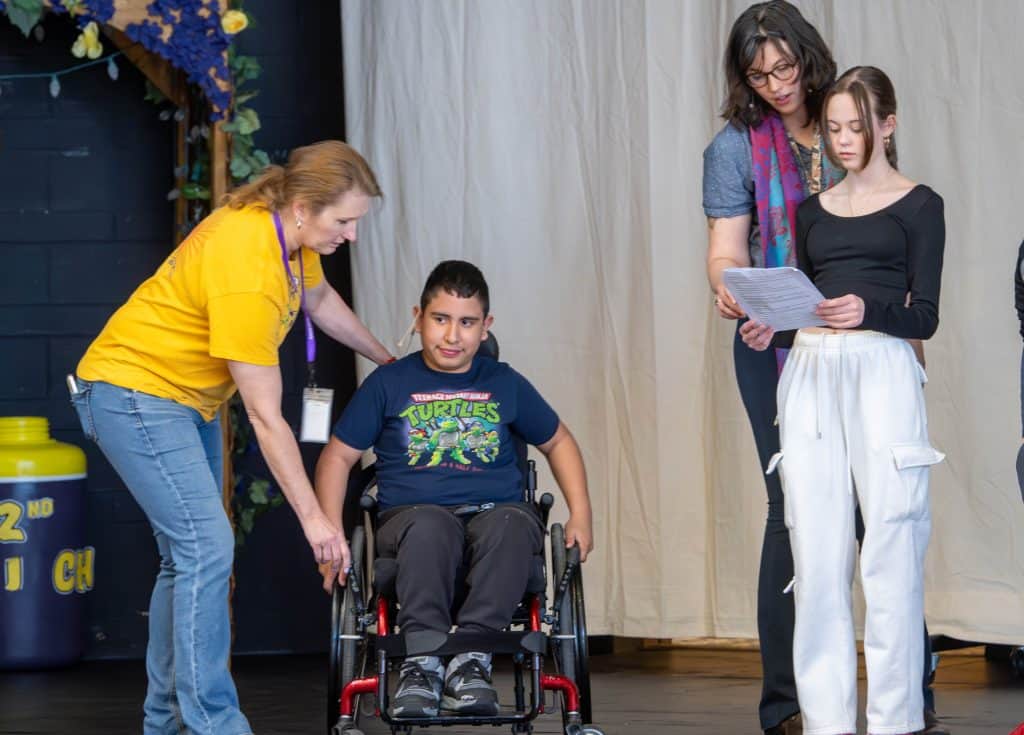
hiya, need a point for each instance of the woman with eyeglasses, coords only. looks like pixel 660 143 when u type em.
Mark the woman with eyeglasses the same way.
pixel 767 158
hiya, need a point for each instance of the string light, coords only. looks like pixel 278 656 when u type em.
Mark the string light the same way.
pixel 54 76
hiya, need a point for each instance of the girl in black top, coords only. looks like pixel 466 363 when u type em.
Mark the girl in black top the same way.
pixel 852 419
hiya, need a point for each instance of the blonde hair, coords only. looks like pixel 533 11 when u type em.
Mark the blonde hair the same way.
pixel 317 174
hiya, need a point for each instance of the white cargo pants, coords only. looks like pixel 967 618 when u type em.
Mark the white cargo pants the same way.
pixel 853 430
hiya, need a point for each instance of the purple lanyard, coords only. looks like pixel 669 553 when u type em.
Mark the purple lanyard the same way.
pixel 310 338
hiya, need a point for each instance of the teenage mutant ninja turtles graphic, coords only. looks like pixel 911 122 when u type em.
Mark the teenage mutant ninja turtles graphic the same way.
pixel 419 441
pixel 460 427
pixel 484 444
pixel 492 443
pixel 446 438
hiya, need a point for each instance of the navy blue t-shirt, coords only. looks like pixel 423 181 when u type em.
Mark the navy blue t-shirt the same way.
pixel 446 438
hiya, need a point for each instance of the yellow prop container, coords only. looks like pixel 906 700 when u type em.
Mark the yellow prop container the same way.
pixel 45 565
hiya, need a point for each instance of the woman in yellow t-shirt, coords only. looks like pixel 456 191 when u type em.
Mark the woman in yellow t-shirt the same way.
pixel 210 320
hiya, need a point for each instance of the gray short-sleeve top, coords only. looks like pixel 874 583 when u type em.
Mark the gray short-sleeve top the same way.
pixel 728 186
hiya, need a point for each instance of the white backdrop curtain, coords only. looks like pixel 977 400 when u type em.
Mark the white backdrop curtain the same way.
pixel 558 145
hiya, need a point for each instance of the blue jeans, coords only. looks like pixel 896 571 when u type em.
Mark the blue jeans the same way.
pixel 170 459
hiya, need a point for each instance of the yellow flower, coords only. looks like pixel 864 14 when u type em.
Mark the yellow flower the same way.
pixel 234 21
pixel 88 42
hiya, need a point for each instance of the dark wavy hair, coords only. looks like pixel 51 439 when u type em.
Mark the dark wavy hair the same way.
pixel 775 22
pixel 874 96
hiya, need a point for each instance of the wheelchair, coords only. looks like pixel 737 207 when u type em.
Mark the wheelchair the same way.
pixel 364 647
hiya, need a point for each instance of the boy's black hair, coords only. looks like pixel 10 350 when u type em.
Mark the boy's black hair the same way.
pixel 458 278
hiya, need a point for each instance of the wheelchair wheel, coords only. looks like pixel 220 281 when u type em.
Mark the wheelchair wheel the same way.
pixel 571 654
pixel 347 655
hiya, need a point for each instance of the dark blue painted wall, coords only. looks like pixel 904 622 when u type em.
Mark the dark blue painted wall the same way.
pixel 83 220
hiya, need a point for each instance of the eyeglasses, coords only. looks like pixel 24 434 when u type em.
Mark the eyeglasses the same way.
pixel 784 72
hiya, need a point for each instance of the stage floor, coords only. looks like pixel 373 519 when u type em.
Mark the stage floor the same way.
pixel 709 692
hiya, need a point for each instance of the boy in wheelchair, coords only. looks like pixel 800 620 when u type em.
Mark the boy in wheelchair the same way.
pixel 442 423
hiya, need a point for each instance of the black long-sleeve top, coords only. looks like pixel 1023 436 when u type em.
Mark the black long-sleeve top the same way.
pixel 1018 287
pixel 880 257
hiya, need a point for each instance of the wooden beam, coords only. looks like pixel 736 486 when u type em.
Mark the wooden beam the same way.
pixel 157 69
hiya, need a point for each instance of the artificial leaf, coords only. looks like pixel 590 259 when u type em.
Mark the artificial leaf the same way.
pixel 153 93
pixel 239 167
pixel 246 96
pixel 261 158
pixel 25 14
pixel 193 190
pixel 244 68
pixel 247 120
pixel 258 492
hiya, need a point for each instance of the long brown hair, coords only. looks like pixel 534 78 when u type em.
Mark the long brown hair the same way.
pixel 874 96
pixel 775 22
pixel 317 174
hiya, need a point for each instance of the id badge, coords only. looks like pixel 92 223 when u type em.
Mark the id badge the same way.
pixel 316 415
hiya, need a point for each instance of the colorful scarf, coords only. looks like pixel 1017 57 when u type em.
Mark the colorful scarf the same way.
pixel 779 190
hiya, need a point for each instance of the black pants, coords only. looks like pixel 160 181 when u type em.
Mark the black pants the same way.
pixel 431 544
pixel 758 378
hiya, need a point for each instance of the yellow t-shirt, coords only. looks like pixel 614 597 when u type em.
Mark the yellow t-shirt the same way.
pixel 223 294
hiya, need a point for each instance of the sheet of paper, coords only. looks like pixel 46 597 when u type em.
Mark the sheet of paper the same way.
pixel 782 298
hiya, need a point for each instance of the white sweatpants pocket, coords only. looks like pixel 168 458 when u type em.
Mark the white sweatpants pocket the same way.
pixel 908 500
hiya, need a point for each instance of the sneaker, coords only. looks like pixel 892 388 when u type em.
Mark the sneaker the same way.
pixel 467 687
pixel 419 687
